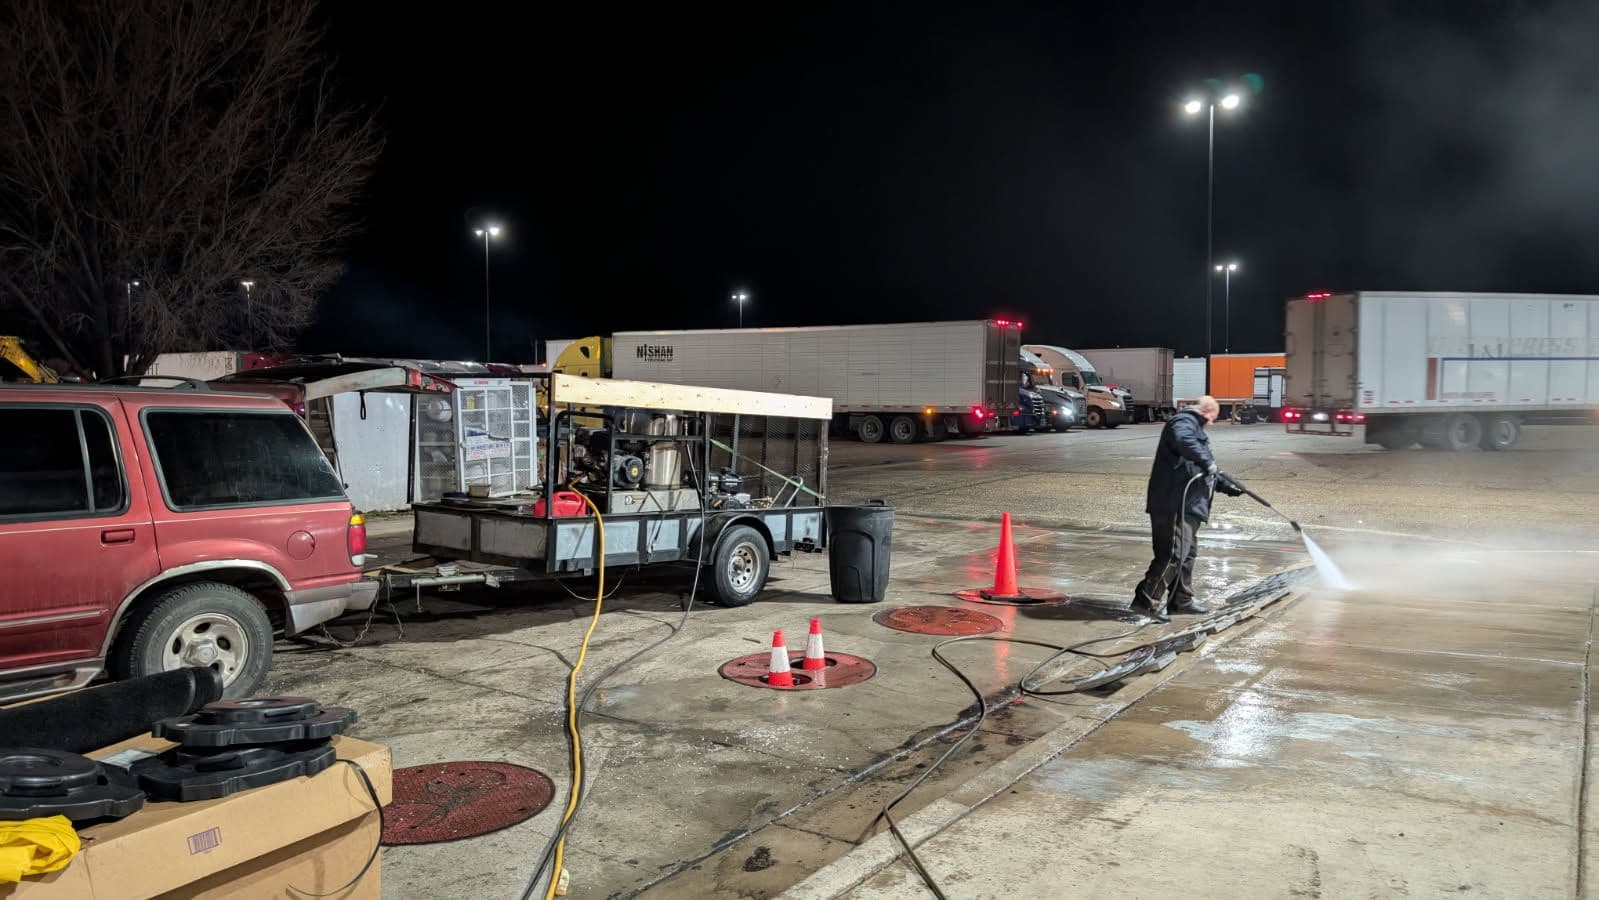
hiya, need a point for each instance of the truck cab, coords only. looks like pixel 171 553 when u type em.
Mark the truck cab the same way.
pixel 1063 407
pixel 1030 413
pixel 1108 406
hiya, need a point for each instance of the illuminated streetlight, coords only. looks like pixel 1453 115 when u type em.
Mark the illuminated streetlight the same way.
pixel 1229 101
pixel 1227 271
pixel 127 313
pixel 740 297
pixel 486 232
pixel 249 315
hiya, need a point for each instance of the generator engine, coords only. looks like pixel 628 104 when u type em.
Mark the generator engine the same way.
pixel 624 471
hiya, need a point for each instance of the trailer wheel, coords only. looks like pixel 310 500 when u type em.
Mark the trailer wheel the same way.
pixel 739 566
pixel 1501 433
pixel 902 430
pixel 1096 419
pixel 1455 432
pixel 870 430
pixel 1396 439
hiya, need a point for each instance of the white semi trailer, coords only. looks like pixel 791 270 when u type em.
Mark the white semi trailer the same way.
pixel 903 382
pixel 1450 371
pixel 1145 373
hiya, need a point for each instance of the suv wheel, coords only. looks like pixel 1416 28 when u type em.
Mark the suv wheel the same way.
pixel 206 625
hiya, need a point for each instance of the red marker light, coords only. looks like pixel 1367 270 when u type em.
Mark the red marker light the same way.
pixel 1018 326
pixel 977 412
pixel 1319 295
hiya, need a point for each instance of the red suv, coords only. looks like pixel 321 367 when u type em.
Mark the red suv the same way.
pixel 147 529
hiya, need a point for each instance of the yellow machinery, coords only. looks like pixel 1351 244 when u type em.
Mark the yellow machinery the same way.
pixel 17 358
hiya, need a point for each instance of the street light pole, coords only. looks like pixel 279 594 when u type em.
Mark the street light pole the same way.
pixel 1227 271
pixel 485 233
pixel 739 298
pixel 1228 101
pixel 127 315
pixel 249 316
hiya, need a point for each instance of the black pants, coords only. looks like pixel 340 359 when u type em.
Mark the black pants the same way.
pixel 1176 540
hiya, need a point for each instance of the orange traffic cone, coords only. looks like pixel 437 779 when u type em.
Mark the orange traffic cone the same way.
pixel 1005 563
pixel 778 674
pixel 1006 590
pixel 814 658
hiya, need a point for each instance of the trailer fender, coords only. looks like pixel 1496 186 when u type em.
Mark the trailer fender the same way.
pixel 718 525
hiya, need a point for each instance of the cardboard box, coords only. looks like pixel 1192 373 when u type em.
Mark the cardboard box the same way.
pixel 260 841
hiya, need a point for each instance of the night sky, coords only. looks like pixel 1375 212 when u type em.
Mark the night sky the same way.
pixel 915 161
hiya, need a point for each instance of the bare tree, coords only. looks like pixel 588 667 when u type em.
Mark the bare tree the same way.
pixel 186 145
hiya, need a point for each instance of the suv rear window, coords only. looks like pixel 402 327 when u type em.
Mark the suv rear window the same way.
pixel 215 458
pixel 53 459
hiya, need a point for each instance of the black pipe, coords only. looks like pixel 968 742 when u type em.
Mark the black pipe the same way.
pixel 98 717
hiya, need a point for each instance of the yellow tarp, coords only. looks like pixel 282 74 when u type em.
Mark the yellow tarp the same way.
pixel 35 846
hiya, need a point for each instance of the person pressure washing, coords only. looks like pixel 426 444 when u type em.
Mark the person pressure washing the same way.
pixel 1181 483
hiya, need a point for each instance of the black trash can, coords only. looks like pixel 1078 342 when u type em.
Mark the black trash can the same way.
pixel 860 543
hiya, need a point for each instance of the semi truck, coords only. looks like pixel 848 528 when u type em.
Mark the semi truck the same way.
pixel 1144 372
pixel 1070 407
pixel 1107 406
pixel 902 382
pixel 1450 371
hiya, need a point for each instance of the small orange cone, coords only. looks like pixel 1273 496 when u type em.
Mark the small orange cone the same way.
pixel 1005 563
pixel 814 658
pixel 778 673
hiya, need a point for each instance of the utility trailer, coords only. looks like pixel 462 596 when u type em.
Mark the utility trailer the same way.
pixel 902 382
pixel 1451 371
pixel 727 478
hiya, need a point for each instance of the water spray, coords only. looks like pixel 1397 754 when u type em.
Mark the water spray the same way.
pixel 1331 575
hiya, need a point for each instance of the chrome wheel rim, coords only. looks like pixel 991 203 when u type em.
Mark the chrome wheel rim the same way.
pixel 209 641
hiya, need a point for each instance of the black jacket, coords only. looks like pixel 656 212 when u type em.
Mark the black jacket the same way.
pixel 1183 453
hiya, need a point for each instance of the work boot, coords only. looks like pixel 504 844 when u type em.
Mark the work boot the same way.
pixel 1155 611
pixel 1188 606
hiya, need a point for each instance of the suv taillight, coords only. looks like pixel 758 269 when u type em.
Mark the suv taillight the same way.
pixel 355 538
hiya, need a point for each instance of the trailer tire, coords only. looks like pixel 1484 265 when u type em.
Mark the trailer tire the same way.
pixel 1397 439
pixel 903 430
pixel 740 566
pixel 1096 419
pixel 870 430
pixel 1455 432
pixel 1500 432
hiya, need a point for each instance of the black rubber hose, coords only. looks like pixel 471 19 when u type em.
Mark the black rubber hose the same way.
pixel 94 718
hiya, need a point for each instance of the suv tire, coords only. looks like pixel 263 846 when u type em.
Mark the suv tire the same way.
pixel 205 624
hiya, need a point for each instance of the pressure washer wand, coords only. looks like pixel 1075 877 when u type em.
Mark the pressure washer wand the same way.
pixel 1233 483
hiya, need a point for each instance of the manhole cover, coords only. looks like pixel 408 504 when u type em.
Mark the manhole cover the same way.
pixel 1026 597
pixel 941 620
pixel 449 801
pixel 842 670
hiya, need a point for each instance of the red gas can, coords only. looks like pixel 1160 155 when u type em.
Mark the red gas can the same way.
pixel 567 503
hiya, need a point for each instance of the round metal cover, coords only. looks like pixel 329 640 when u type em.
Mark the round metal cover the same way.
pixel 1027 597
pixel 449 801
pixel 842 670
pixel 940 620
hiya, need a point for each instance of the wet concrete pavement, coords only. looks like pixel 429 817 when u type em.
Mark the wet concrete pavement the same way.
pixel 1444 699
pixel 1424 740
pixel 694 775
pixel 1096 479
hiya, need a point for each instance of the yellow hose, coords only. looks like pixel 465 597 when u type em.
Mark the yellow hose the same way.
pixel 571 706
